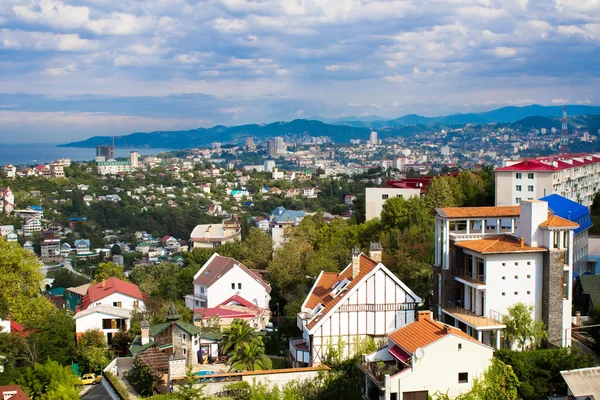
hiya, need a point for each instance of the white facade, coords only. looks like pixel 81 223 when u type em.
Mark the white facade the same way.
pixel 512 187
pixel 112 167
pixel 109 320
pixel 376 197
pixel 120 300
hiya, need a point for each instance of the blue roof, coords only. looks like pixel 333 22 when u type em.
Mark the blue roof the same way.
pixel 78 219
pixel 280 214
pixel 570 210
pixel 36 208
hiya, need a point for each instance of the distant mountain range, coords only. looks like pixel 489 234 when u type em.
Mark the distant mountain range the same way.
pixel 343 129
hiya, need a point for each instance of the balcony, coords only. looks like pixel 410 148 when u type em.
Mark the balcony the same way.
pixel 470 277
pixel 377 370
pixel 492 321
pixel 299 350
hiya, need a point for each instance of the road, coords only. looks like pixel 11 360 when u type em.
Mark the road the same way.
pixel 68 266
pixel 95 392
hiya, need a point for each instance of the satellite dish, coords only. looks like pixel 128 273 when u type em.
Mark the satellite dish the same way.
pixel 419 353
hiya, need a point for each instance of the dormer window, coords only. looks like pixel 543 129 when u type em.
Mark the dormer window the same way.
pixel 319 307
pixel 339 287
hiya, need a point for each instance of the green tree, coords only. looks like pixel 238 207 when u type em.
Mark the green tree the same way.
pixel 256 249
pixel 236 335
pixel 49 381
pixel 108 270
pixel 140 378
pixel 63 278
pixel 440 193
pixel 20 285
pixel 594 314
pixel 521 329
pixel 54 336
pixel 91 351
pixel 471 188
pixel 249 356
pixel 498 382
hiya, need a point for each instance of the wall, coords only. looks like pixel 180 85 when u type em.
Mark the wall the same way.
pixel 221 290
pixel 94 321
pixel 443 360
pixel 126 301
pixel 506 183
pixel 374 201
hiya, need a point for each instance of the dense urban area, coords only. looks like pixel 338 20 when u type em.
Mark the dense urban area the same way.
pixel 444 261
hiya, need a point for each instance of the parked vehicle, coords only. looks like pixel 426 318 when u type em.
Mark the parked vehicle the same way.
pixel 91 379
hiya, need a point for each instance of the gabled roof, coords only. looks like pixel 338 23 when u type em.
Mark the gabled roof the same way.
pixel 569 210
pixel 18 328
pixel 322 290
pixel 104 309
pixel 108 287
pixel 222 313
pixel 529 165
pixel 556 222
pixel 156 360
pixel 497 244
pixel 217 266
pixel 239 300
pixel 583 382
pixel 81 290
pixel 424 332
pixel 479 212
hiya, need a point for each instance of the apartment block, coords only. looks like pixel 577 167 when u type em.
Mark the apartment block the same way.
pixel 489 258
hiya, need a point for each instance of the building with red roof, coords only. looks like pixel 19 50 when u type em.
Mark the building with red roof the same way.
pixel 12 392
pixel 419 351
pixel 573 176
pixel 107 306
pixel 235 307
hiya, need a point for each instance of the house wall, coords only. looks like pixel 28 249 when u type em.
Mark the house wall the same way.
pixel 126 301
pixel 94 321
pixel 352 321
pixel 374 199
pixel 251 290
pixel 439 368
pixel 506 186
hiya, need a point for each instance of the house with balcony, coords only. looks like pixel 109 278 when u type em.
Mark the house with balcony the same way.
pixel 107 306
pixel 363 301
pixel 220 278
pixel 423 358
pixel 489 258
pixel 211 235
pixel 50 246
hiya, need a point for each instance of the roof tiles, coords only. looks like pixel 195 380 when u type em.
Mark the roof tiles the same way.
pixel 497 244
pixel 479 212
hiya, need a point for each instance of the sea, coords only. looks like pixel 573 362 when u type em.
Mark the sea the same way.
pixel 42 153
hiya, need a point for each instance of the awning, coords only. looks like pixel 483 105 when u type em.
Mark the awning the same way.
pixel 399 354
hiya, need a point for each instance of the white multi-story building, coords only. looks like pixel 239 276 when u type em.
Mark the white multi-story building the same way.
pixel 7 200
pixel 208 236
pixel 576 177
pixel 107 306
pixel 113 167
pixel 489 258
pixel 373 138
pixel 134 159
pixel 364 300
pixel 375 198
pixel 423 358
pixel 10 171
pixel 32 225
pixel 57 170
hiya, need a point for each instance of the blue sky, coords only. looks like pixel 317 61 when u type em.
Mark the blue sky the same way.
pixel 75 68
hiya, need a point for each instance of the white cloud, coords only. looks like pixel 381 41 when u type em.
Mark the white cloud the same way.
pixel 14 39
pixel 61 71
pixel 192 57
pixel 505 52
pixel 560 101
pixel 229 25
pixel 333 67
pixel 353 105
pixel 282 71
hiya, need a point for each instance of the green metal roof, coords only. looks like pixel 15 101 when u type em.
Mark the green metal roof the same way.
pixel 155 330
pixel 591 286
pixel 137 347
pixel 210 335
pixel 189 328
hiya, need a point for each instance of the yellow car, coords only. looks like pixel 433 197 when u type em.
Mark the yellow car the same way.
pixel 91 379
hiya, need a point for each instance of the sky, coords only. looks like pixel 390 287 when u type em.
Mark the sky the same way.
pixel 70 69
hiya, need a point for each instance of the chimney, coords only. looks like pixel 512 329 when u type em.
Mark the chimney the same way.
pixel 355 262
pixel 375 251
pixel 145 326
pixel 447 328
pixel 421 315
pixel 103 283
pixel 522 242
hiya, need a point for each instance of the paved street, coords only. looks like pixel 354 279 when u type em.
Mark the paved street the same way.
pixel 96 392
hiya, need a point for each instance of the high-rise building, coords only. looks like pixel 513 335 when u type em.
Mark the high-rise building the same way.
pixel 373 138
pixel 106 151
pixel 250 144
pixel 271 149
pixel 543 131
pixel 134 158
pixel 279 145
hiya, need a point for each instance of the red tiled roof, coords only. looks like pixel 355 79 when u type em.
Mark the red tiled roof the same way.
pixel 19 395
pixel 422 333
pixel 108 287
pixel 528 165
pixel 553 163
pixel 554 221
pixel 497 244
pixel 222 313
pixel 18 328
pixel 219 266
pixel 240 300
pixel 479 212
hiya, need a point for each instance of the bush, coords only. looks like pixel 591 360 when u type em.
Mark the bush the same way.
pixel 140 378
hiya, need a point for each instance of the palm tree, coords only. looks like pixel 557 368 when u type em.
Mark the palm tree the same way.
pixel 236 335
pixel 250 356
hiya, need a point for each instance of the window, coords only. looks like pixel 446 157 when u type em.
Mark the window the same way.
pixel 233 286
pixel 503 293
pixel 239 286
pixel 207 273
pixel 528 262
pixel 399 195
pixel 530 175
pixel 529 292
pixel 516 293
pixel 504 264
pixel 516 276
pixel 136 304
pixel 518 188
pixel 184 352
pixel 516 263
pixel 202 289
pixel 463 377
pixel 518 175
pixel 503 278
pixel 528 276
pixel 384 196
pixel 319 307
pixel 183 337
pixel 565 283
pixel 117 304
pixel 459 346
pixel 518 200
pixel 530 188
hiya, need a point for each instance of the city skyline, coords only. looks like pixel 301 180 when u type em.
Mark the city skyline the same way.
pixel 73 69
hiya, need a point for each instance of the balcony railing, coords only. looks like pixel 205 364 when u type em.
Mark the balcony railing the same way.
pixel 469 276
pixel 493 318
pixel 299 350
pixel 377 370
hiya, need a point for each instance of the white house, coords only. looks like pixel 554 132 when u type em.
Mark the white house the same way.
pixel 211 235
pixel 364 300
pixel 423 358
pixel 6 229
pixel 375 197
pixel 220 278
pixel 489 258
pixel 32 225
pixel 107 306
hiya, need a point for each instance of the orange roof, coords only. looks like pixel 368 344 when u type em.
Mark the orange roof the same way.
pixel 321 292
pixel 479 212
pixel 497 244
pixel 422 333
pixel 554 221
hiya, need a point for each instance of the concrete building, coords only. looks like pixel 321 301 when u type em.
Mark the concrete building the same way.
pixel 489 258
pixel 373 139
pixel 113 167
pixel 7 200
pixel 211 235
pixel 10 171
pixel 50 246
pixel 134 159
pixel 363 301
pixel 57 170
pixel 576 177
pixel 376 197
pixel 108 152
pixel 423 358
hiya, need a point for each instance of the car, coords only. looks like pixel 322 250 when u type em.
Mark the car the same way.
pixel 91 379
